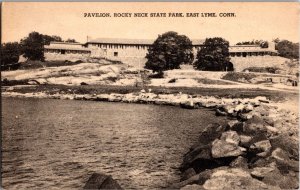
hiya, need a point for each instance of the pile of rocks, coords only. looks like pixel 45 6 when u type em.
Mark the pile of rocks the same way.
pixel 240 107
pixel 259 152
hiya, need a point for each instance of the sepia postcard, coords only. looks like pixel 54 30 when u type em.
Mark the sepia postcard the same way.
pixel 150 95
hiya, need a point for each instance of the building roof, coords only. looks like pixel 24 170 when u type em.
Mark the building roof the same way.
pixel 66 47
pixel 69 43
pixel 132 41
pixel 121 41
pixel 233 50
pixel 247 45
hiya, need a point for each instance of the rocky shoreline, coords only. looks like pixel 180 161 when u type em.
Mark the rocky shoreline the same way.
pixel 257 149
pixel 225 106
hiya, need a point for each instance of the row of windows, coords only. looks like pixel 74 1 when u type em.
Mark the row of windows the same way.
pixel 66 51
pixel 244 54
pixel 111 46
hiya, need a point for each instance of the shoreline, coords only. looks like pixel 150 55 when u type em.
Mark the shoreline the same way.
pixel 259 115
pixel 179 99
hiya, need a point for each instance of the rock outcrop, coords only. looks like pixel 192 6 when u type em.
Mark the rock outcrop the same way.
pixel 255 152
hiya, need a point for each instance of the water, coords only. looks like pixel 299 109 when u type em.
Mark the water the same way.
pixel 58 144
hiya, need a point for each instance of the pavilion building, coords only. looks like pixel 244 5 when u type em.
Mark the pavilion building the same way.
pixel 133 51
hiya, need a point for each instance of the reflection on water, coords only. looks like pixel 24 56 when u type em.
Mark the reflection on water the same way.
pixel 59 143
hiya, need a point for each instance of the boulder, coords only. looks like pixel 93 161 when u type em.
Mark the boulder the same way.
pixel 228 109
pixel 285 164
pixel 248 108
pixel 255 120
pixel 261 148
pixel 244 116
pixel 192 187
pixel 272 130
pixel 238 127
pixel 261 172
pixel 269 120
pixel 245 140
pixel 234 178
pixel 192 180
pixel 253 129
pixel 286 143
pixel 188 104
pixel 101 181
pixel 255 161
pixel 239 108
pixel 197 157
pixel 232 123
pixel 221 148
pixel 270 175
pixel 211 132
pixel 220 112
pixel 239 162
pixel 188 173
pixel 262 110
pixel 203 176
pixel 230 137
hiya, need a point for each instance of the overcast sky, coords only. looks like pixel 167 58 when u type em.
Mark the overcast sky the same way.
pixel 252 21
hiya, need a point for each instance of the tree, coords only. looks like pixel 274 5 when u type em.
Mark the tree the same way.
pixel 47 39
pixel 214 56
pixel 71 40
pixel 33 45
pixel 276 40
pixel 169 51
pixel 288 49
pixel 261 43
pixel 10 53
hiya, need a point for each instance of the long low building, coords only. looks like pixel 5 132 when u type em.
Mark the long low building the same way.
pixel 133 51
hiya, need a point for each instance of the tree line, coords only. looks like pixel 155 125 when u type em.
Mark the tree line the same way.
pixel 261 43
pixel 31 47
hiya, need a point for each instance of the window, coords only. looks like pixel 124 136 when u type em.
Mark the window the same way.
pixel 116 54
pixel 63 52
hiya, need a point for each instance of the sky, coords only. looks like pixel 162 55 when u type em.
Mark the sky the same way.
pixel 252 20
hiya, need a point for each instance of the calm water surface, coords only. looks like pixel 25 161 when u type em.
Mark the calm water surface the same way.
pixel 58 144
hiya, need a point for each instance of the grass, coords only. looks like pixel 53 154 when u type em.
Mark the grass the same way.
pixel 263 69
pixel 247 77
pixel 234 76
pixel 41 64
pixel 210 81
